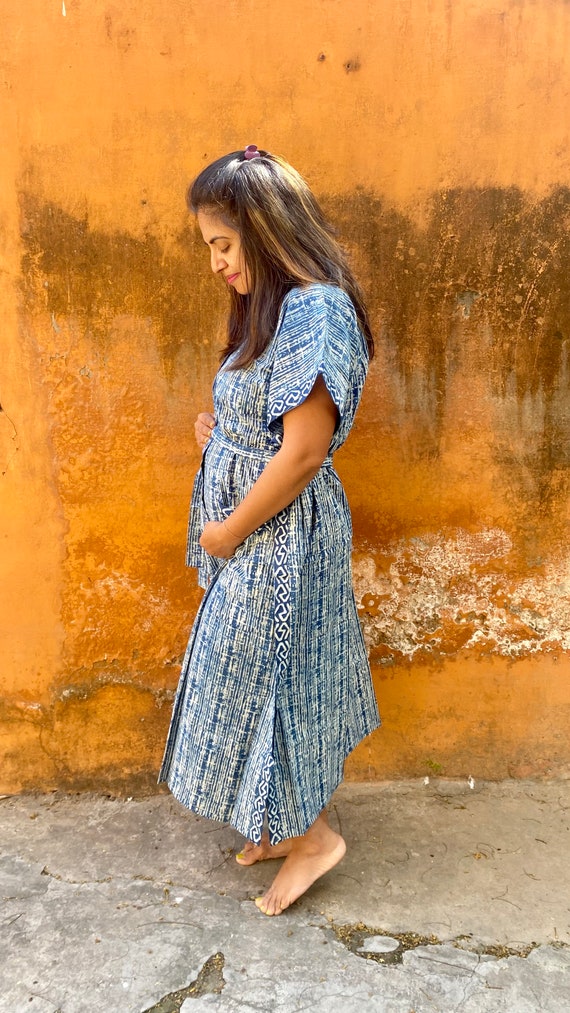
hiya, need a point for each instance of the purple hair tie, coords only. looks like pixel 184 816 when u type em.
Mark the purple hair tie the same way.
pixel 251 152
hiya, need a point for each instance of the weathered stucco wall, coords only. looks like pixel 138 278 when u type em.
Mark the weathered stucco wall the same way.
pixel 437 136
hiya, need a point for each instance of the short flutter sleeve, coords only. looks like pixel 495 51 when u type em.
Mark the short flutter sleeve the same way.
pixel 318 335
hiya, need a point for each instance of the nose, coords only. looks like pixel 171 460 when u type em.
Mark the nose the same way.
pixel 217 260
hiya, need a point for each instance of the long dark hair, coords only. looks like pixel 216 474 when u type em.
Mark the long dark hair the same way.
pixel 286 242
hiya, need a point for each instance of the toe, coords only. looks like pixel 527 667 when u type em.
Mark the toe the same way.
pixel 248 855
pixel 268 906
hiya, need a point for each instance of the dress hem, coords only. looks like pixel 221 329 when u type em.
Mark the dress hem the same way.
pixel 202 808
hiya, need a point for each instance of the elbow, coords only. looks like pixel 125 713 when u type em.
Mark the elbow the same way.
pixel 315 463
pixel 308 463
pixel 304 455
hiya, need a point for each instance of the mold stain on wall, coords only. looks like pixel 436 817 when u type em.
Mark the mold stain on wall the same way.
pixel 493 255
pixel 474 316
pixel 74 271
pixel 116 326
pixel 476 304
pixel 461 524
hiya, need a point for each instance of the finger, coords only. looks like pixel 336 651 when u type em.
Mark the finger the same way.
pixel 206 418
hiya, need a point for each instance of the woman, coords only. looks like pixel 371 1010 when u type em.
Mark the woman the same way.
pixel 275 688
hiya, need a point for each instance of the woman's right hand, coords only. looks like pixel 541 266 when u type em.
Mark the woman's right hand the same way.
pixel 203 428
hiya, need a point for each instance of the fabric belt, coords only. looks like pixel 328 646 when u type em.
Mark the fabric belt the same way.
pixel 256 453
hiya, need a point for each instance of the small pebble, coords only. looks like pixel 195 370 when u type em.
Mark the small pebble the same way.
pixel 379 944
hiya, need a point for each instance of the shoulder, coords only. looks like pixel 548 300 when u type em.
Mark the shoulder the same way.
pixel 318 323
pixel 320 316
pixel 318 301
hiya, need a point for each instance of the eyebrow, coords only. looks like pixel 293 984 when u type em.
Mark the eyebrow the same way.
pixel 215 238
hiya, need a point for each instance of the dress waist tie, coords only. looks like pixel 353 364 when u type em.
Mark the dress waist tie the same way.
pixel 256 453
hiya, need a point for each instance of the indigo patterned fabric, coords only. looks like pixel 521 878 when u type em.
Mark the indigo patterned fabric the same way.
pixel 275 688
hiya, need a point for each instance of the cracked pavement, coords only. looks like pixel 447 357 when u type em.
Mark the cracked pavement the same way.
pixel 137 906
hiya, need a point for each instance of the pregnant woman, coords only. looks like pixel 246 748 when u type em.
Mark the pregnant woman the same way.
pixel 275 688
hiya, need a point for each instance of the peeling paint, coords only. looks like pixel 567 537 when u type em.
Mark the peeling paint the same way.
pixel 436 595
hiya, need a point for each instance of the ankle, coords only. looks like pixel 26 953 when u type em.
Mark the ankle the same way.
pixel 314 842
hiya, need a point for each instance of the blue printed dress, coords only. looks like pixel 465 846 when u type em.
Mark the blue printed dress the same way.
pixel 275 688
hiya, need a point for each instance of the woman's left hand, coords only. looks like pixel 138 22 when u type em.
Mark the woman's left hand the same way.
pixel 217 540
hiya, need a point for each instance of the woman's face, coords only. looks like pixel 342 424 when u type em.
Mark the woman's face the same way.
pixel 226 257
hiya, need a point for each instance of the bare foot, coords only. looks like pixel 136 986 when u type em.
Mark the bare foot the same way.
pixel 311 856
pixel 253 853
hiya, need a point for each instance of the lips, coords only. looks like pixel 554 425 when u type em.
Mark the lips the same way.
pixel 232 277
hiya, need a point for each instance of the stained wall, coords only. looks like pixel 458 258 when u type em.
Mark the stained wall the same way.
pixel 436 135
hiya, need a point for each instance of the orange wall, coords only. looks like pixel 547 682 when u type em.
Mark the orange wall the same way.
pixel 436 135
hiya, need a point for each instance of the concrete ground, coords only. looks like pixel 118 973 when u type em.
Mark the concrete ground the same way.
pixel 450 898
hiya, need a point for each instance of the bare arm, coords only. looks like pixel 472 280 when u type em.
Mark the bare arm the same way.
pixel 307 433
